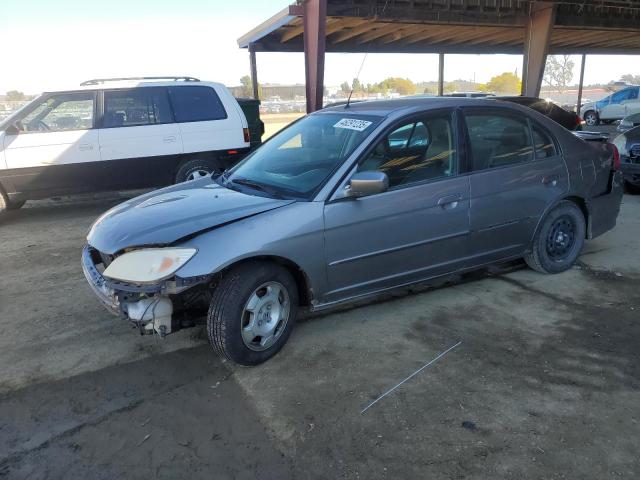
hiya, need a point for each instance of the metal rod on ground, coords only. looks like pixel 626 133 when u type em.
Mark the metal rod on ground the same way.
pixel 440 355
pixel 580 85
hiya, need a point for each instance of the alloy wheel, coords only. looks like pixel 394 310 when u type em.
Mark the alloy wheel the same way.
pixel 265 316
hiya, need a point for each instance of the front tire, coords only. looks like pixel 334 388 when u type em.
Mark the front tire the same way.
pixel 252 312
pixel 195 169
pixel 559 240
pixel 632 188
pixel 591 118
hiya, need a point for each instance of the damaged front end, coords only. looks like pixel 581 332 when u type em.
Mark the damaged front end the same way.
pixel 162 307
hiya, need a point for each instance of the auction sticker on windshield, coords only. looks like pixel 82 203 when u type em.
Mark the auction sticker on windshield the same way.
pixel 352 124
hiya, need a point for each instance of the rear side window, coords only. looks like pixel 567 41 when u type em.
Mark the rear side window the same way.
pixel 498 140
pixel 196 104
pixel 544 146
pixel 140 106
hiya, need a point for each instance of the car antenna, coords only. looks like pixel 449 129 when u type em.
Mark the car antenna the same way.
pixel 363 60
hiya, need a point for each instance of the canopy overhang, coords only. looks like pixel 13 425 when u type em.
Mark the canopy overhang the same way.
pixel 530 27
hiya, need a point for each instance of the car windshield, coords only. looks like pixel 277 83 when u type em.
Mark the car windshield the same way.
pixel 298 160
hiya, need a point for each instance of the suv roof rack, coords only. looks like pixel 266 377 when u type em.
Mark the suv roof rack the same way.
pixel 97 81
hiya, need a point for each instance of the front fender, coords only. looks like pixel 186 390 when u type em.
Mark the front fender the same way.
pixel 294 232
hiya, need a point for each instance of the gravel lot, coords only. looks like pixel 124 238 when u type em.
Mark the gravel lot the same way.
pixel 545 384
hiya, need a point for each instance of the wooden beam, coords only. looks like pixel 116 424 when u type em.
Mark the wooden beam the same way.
pixel 536 45
pixel 354 32
pixel 401 33
pixel 377 33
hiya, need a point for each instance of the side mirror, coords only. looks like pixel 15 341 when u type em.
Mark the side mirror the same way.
pixel 12 130
pixel 367 183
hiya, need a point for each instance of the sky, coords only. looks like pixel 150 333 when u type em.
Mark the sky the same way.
pixel 54 44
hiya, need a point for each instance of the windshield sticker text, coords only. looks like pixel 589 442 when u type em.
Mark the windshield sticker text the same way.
pixel 352 124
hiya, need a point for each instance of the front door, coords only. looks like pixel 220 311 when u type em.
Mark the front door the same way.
pixel 516 173
pixel 55 148
pixel 416 229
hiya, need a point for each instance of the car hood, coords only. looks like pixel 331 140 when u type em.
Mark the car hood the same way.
pixel 165 216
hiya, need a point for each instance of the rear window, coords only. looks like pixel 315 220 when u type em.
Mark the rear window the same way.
pixel 196 104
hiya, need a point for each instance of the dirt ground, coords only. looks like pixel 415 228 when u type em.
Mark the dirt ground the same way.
pixel 545 384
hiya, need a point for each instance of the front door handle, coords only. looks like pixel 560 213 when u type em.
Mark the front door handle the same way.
pixel 449 201
pixel 550 180
pixel 169 139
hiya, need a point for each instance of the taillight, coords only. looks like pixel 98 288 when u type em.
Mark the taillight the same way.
pixel 616 158
pixel 247 135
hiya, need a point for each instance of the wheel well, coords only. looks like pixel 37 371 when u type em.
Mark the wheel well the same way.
pixel 582 204
pixel 302 282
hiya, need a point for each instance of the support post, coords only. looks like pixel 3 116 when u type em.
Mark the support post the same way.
pixel 254 71
pixel 315 22
pixel 441 74
pixel 536 45
pixel 581 84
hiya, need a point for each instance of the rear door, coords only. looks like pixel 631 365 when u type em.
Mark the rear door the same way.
pixel 633 104
pixel 516 172
pixel 416 229
pixel 56 147
pixel 617 107
pixel 206 122
pixel 139 141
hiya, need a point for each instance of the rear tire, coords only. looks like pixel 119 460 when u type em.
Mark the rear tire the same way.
pixel 252 312
pixel 559 240
pixel 591 118
pixel 195 169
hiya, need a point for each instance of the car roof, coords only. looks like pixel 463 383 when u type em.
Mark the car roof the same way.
pixel 384 108
pixel 119 84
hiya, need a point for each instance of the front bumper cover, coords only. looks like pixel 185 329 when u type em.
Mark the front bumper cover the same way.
pixel 98 284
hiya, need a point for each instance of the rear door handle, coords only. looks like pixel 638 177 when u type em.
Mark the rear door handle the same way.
pixel 550 180
pixel 449 201
pixel 169 139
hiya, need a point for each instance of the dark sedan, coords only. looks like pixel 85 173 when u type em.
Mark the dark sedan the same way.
pixel 628 145
pixel 569 120
pixel 348 202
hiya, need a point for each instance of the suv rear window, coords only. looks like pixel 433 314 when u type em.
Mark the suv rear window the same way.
pixel 196 104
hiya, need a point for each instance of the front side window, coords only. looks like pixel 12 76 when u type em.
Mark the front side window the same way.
pixel 624 95
pixel 67 111
pixel 414 152
pixel 298 160
pixel 136 107
pixel 196 104
pixel 498 140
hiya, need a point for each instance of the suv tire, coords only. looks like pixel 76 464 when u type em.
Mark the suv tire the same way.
pixel 196 168
pixel 591 118
pixel 6 204
pixel 252 312
pixel 559 240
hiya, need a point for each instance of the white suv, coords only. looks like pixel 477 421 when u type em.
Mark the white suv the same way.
pixel 116 134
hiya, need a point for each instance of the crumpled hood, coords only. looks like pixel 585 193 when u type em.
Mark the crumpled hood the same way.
pixel 164 216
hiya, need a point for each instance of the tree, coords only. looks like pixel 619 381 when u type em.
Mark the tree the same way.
pixel 629 78
pixel 403 86
pixel 558 72
pixel 247 87
pixel 506 82
pixel 15 96
pixel 356 86
pixel 345 87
